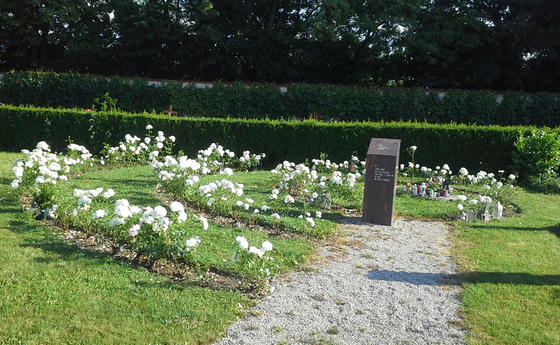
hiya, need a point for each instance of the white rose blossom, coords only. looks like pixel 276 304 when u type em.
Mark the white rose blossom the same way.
pixel 191 242
pixel 133 231
pixel 266 246
pixel 243 243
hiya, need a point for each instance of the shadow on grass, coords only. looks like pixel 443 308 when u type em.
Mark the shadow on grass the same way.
pixel 9 208
pixel 417 278
pixel 20 226
pixel 38 235
pixel 552 229
pixel 509 278
pixel 51 243
pixel 549 186
pixel 55 250
pixel 140 198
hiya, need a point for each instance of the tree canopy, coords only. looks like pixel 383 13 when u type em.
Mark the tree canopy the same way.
pixel 474 44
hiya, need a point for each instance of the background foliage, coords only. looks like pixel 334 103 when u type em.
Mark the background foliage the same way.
pixel 479 44
pixel 238 100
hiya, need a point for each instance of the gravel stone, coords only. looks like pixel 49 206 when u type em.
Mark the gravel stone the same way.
pixel 374 285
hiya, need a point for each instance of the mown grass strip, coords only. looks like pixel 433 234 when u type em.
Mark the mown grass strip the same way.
pixel 511 275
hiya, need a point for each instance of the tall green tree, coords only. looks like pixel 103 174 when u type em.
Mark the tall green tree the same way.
pixel 337 41
pixel 253 41
pixel 30 31
pixel 525 42
pixel 474 44
pixel 90 38
pixel 445 48
pixel 485 44
pixel 148 36
pixel 37 33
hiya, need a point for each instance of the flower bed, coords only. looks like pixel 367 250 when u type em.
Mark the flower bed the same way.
pixel 482 194
pixel 295 199
pixel 171 232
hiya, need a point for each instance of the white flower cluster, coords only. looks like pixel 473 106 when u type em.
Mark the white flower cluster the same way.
pixel 85 198
pixel 224 184
pixel 157 218
pixel 209 161
pixel 215 148
pixel 299 183
pixel 248 256
pixel 216 157
pixel 248 160
pixel 463 198
pixel 292 177
pixel 288 199
pixel 41 166
pixel 336 177
pixel 171 168
pixel 309 219
pixel 222 189
pixel 123 210
pixel 77 150
pixel 325 165
pixel 482 177
pixel 247 156
pixel 266 246
pixel 191 242
pixel 131 144
pixel 443 171
pixel 134 148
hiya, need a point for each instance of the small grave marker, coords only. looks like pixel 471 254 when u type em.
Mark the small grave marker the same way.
pixel 170 112
pixel 380 180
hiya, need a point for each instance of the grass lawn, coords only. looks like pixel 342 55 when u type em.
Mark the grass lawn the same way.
pixel 54 292
pixel 511 275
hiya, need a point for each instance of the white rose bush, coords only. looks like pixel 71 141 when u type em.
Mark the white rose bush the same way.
pixel 486 189
pixel 153 232
pixel 40 171
pixel 136 150
pixel 255 260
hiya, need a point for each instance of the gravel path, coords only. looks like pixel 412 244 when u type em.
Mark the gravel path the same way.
pixel 377 285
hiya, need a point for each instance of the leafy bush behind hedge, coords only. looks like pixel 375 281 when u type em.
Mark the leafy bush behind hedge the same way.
pixel 473 147
pixel 267 101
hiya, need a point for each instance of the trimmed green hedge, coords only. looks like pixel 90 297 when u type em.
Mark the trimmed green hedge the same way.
pixel 267 101
pixel 80 91
pixel 473 147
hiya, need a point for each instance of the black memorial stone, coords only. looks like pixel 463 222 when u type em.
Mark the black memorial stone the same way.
pixel 380 181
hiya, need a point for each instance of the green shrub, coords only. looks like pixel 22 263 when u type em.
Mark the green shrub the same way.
pixel 537 155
